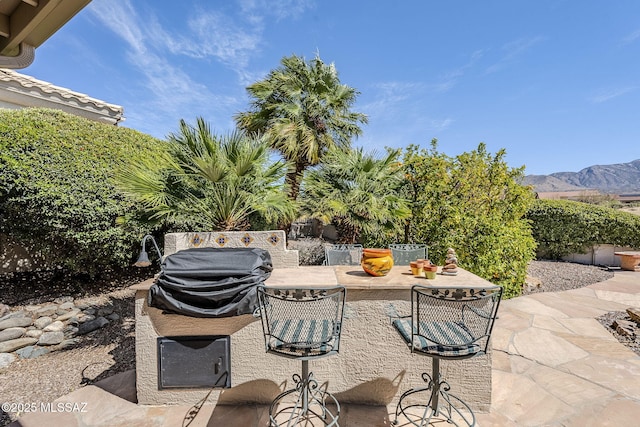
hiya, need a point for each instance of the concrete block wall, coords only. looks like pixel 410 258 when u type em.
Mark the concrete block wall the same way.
pixel 599 255
pixel 273 241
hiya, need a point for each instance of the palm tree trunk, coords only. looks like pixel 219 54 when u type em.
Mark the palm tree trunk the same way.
pixel 293 180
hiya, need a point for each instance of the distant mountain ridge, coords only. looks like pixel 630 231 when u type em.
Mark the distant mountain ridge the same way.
pixel 616 178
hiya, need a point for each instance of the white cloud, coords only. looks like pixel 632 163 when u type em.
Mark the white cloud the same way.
pixel 404 107
pixel 232 41
pixel 170 91
pixel 280 9
pixel 632 37
pixel 450 79
pixel 438 125
pixel 608 94
pixel 513 50
pixel 209 34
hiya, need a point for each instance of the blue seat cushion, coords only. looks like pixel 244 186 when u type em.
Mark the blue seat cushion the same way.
pixel 444 339
pixel 302 335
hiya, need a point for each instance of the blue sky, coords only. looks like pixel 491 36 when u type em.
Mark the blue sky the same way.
pixel 554 82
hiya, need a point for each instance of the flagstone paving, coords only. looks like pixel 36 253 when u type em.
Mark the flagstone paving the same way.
pixel 553 365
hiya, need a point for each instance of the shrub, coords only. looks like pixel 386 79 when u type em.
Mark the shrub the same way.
pixel 57 196
pixel 563 227
pixel 211 182
pixel 474 204
pixel 357 192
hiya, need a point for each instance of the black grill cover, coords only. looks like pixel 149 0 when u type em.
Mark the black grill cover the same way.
pixel 211 282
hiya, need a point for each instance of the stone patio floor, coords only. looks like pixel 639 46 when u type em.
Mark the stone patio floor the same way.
pixel 553 365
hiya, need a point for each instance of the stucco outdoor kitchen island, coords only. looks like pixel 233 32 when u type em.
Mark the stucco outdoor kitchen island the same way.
pixel 373 367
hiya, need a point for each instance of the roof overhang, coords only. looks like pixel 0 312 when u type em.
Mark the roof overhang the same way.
pixel 22 91
pixel 26 24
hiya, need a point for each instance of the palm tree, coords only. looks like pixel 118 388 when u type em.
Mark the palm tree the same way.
pixel 211 182
pixel 357 192
pixel 303 110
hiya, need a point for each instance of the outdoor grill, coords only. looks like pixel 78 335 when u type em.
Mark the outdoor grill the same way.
pixel 211 282
pixel 206 283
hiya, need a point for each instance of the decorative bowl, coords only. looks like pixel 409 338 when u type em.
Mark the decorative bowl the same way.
pixel 376 262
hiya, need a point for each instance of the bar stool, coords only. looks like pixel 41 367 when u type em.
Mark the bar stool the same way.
pixel 449 324
pixel 403 254
pixel 347 254
pixel 303 324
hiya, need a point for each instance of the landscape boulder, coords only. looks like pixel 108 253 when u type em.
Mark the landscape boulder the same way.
pixel 15 322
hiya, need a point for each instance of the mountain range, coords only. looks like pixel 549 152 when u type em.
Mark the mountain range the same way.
pixel 617 178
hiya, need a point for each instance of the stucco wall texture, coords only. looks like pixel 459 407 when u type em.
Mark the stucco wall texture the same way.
pixel 373 367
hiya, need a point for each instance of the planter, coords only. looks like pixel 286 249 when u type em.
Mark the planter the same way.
pixel 417 268
pixel 376 262
pixel 430 271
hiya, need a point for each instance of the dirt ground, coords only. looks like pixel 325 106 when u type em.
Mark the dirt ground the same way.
pixel 633 210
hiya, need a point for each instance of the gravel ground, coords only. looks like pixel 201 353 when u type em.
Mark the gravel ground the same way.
pixel 111 350
pixel 553 276
pixel 102 353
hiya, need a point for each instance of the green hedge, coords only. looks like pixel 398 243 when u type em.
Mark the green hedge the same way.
pixel 474 204
pixel 57 197
pixel 563 227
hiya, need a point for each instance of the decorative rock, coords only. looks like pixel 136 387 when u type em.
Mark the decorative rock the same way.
pixel 32 308
pixel 90 311
pixel 113 317
pixel 15 322
pixel 34 333
pixel 31 352
pixel 63 300
pixel 70 331
pixel 532 282
pixel 86 318
pixel 104 311
pixel 56 326
pixel 13 345
pixel 42 322
pixel 92 325
pixel 66 344
pixel 51 338
pixel 11 333
pixel 4 309
pixel 625 327
pixel 634 313
pixel 64 308
pixel 47 310
pixel 20 313
pixel 82 305
pixel 68 315
pixel 451 264
pixel 6 359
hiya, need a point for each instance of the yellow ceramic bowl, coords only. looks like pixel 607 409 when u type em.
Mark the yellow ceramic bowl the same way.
pixel 377 262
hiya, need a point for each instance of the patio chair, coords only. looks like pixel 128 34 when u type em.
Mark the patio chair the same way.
pixel 403 254
pixel 342 254
pixel 448 324
pixel 303 324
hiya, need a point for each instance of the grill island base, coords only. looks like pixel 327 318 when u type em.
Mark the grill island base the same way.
pixel 371 368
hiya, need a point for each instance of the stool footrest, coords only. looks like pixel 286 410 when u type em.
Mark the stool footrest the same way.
pixel 311 403
pixel 440 406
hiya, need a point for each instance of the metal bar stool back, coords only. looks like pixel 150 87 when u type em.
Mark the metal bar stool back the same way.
pixel 445 323
pixel 302 324
pixel 343 254
pixel 403 254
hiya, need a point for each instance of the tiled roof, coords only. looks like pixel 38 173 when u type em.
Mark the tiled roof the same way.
pixel 59 95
